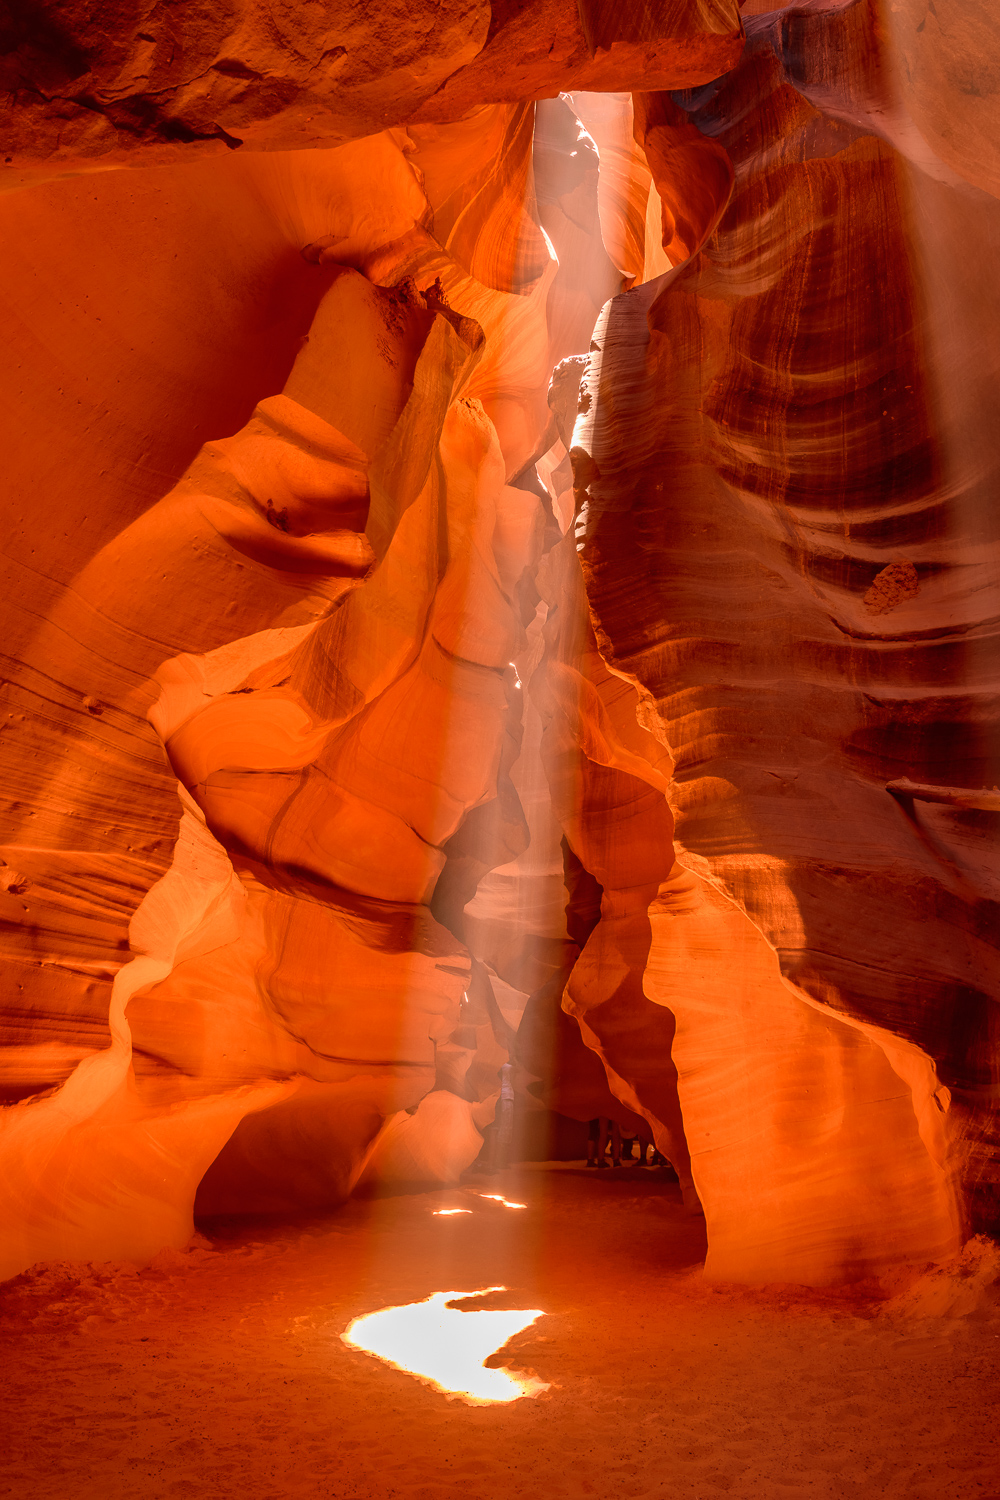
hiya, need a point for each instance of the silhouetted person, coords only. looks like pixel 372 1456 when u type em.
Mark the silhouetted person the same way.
pixel 597 1143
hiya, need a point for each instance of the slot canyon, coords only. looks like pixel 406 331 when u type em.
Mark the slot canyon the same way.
pixel 500 747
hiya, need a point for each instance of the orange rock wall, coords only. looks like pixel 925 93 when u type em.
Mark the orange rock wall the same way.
pixel 133 84
pixel 805 407
pixel 313 638
pixel 333 781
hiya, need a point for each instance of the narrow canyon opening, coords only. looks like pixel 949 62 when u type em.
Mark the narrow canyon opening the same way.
pixel 498 872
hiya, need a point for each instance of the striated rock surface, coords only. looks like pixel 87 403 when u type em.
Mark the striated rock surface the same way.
pixel 789 548
pixel 314 638
pixel 332 782
pixel 132 82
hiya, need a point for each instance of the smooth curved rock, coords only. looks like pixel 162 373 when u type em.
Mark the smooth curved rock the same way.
pixel 335 761
pixel 333 785
pixel 803 408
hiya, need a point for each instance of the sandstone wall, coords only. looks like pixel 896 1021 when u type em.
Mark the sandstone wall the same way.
pixel 789 447
pixel 499 566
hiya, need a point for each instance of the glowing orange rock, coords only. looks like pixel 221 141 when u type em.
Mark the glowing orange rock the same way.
pixel 328 787
pixel 767 438
pixel 295 992
pixel 201 79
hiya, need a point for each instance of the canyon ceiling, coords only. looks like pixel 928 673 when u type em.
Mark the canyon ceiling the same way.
pixel 500 564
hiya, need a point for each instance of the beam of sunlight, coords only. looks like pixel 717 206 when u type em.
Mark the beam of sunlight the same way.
pixel 499 1198
pixel 444 1213
pixel 444 1346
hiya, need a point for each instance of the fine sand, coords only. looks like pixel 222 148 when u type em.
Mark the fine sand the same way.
pixel 220 1372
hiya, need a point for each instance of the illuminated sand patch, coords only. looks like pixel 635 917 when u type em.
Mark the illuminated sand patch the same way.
pixel 499 1198
pixel 447 1213
pixel 445 1347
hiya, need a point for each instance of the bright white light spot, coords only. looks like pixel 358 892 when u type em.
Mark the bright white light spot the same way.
pixel 517 680
pixel 442 1213
pixel 499 1198
pixel 445 1347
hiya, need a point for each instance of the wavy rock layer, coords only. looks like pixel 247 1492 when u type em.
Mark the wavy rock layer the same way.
pixel 321 638
pixel 789 547
pixel 332 783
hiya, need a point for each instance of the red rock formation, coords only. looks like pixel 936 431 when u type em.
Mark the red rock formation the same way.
pixel 83 83
pixel 340 766
pixel 787 549
pixel 331 783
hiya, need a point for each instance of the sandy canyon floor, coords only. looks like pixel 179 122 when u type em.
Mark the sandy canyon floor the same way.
pixel 221 1373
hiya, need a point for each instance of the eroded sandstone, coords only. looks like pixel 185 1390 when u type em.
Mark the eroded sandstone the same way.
pixel 333 782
